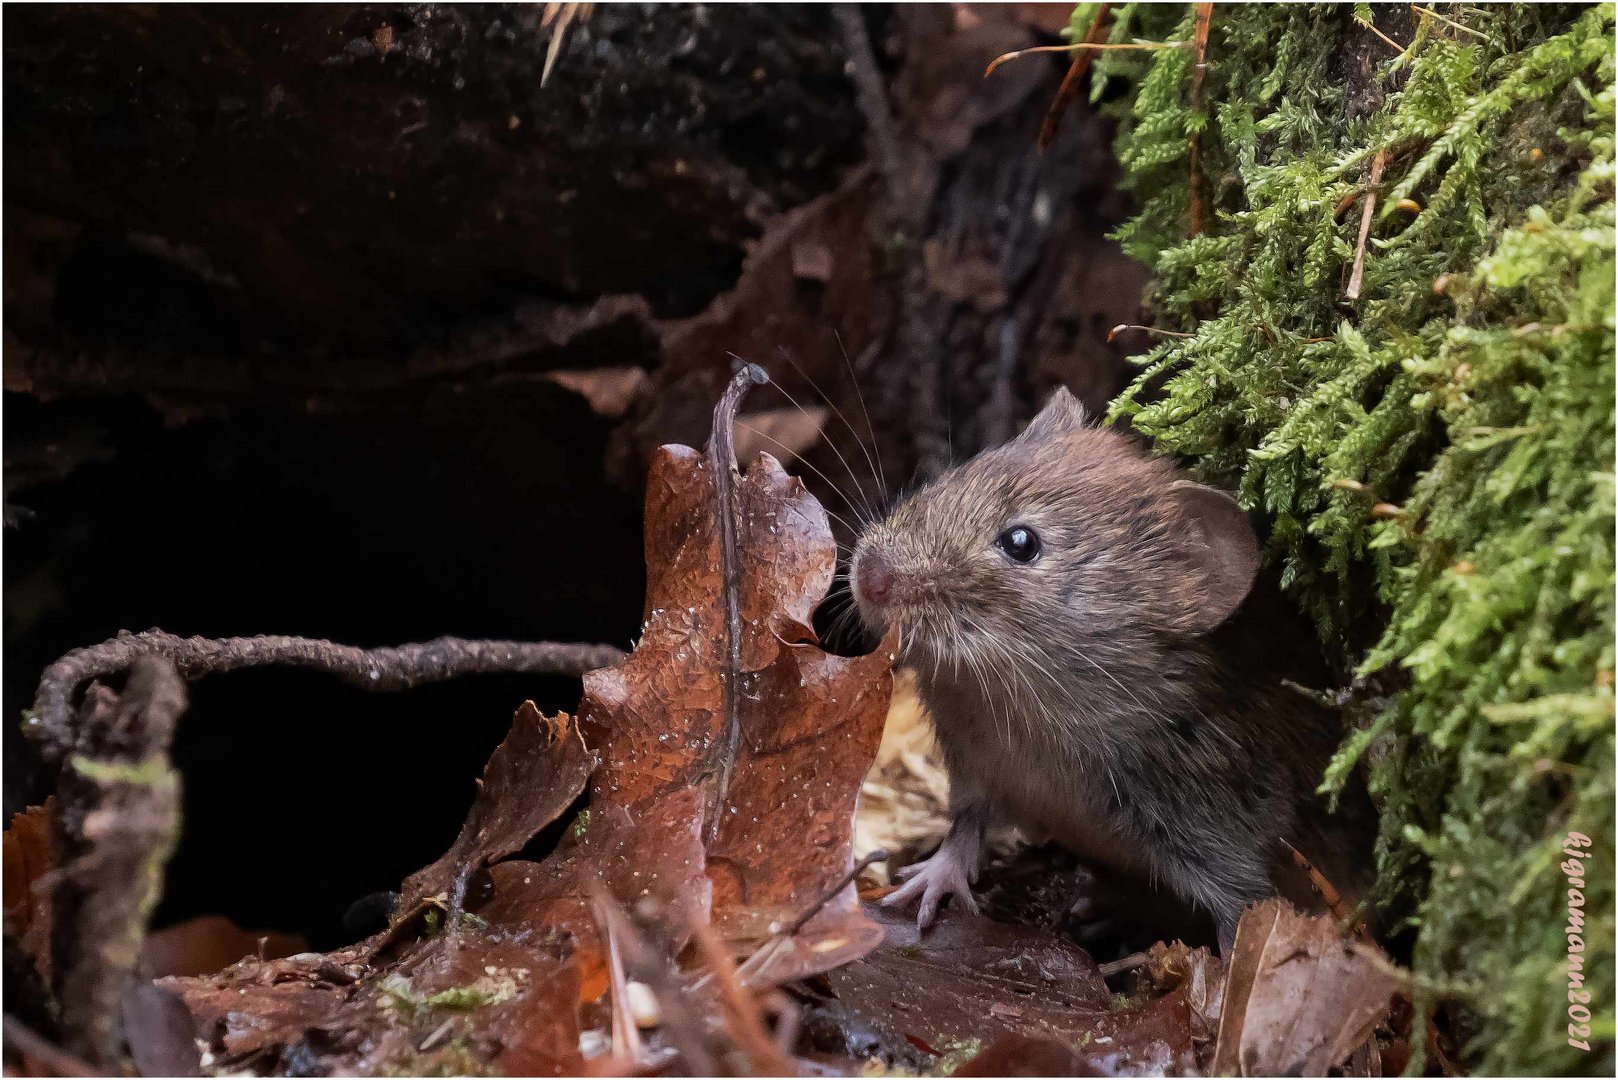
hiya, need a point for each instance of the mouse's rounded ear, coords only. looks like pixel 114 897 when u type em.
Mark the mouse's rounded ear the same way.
pixel 1217 545
pixel 1061 414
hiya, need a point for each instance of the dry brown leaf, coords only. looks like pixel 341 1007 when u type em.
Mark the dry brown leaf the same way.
pixel 728 754
pixel 27 859
pixel 208 943
pixel 970 981
pixel 534 775
pixel 1300 997
pixel 1174 965
pixel 499 1000
pixel 810 721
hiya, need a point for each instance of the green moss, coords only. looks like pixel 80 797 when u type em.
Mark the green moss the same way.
pixel 396 996
pixel 454 1058
pixel 957 1052
pixel 1437 455
pixel 144 773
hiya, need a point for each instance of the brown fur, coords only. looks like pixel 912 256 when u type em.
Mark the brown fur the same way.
pixel 1101 692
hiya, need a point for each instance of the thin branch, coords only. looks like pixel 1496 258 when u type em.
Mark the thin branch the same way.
pixel 626 1041
pixel 1072 80
pixel 872 98
pixel 1398 48
pixel 1450 22
pixel 1127 963
pixel 870 859
pixel 562 15
pixel 908 187
pixel 1339 908
pixel 28 1043
pixel 1079 46
pixel 746 1023
pixel 1356 278
pixel 1199 68
pixel 393 668
pixel 640 954
pixel 722 467
pixel 116 818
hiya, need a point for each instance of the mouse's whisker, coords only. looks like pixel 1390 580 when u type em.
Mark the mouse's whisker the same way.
pixel 865 497
pixel 859 395
pixel 1030 660
pixel 872 464
pixel 979 661
pixel 1019 658
pixel 837 629
pixel 832 483
pixel 841 627
pixel 994 700
pixel 1082 655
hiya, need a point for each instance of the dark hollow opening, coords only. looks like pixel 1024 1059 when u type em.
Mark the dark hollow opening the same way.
pixel 479 514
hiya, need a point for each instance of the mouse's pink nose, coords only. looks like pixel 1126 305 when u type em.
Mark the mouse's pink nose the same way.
pixel 873 579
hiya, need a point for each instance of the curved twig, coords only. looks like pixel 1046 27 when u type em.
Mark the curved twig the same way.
pixel 391 668
pixel 722 466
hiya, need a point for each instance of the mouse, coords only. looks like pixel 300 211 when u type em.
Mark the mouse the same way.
pixel 1086 633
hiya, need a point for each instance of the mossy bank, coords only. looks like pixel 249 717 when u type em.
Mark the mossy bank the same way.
pixel 1431 436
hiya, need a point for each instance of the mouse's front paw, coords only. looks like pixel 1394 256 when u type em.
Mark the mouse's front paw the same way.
pixel 932 882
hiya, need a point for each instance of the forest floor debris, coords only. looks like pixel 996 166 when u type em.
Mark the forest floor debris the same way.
pixel 700 915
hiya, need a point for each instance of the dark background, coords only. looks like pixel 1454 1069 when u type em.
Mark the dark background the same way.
pixel 286 289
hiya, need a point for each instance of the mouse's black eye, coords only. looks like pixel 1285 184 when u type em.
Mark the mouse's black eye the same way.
pixel 1020 543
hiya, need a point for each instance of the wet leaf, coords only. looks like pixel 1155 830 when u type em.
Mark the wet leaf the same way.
pixel 448 1006
pixel 727 753
pixel 1170 965
pixel 972 980
pixel 1024 1055
pixel 1300 996
pixel 27 858
pixel 208 943
pixel 654 859
pixel 809 721
pixel 533 776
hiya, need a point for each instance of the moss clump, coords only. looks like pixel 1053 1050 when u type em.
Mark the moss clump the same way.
pixel 397 997
pixel 1437 455
pixel 957 1052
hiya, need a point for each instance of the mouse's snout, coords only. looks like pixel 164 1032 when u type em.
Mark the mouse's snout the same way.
pixel 873 578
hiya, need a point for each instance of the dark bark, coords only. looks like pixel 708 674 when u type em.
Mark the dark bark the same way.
pixel 222 206
pixel 117 817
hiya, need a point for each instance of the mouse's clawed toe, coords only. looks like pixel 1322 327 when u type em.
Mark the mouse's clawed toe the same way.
pixel 931 883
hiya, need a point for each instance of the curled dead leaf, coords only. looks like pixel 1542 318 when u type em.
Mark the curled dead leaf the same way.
pixel 1300 996
pixel 726 757
pixel 534 775
pixel 27 859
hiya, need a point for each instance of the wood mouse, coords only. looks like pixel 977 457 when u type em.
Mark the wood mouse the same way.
pixel 1076 612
